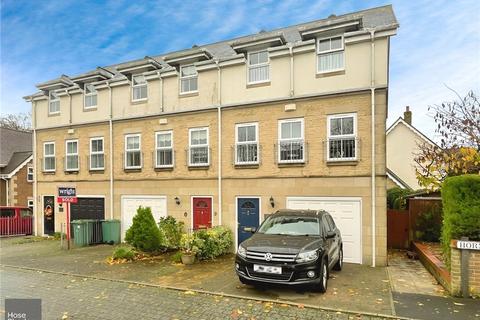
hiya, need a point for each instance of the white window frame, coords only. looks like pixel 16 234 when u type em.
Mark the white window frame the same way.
pixel 319 53
pixel 102 153
pixel 49 156
pixel 190 164
pixel 133 150
pixel 188 78
pixel 50 101
pixel 157 148
pixel 85 95
pixel 302 139
pixel 30 173
pixel 30 203
pixel 72 154
pixel 257 65
pixel 346 136
pixel 237 143
pixel 134 86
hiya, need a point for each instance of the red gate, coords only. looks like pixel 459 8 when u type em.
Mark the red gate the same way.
pixel 397 229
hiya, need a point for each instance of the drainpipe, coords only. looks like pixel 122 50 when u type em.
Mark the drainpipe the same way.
pixel 110 128
pixel 35 167
pixel 161 90
pixel 219 143
pixel 69 105
pixel 373 197
pixel 292 86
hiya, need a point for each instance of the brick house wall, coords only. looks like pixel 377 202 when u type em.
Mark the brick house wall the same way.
pixel 473 269
pixel 22 190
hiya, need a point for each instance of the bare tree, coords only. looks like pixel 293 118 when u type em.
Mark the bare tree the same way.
pixel 17 121
pixel 458 123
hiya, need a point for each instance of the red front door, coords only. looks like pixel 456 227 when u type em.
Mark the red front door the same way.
pixel 202 213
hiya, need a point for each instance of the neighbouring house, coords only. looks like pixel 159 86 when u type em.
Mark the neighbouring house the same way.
pixel 16 168
pixel 403 141
pixel 226 133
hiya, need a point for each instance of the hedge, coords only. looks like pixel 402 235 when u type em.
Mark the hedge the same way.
pixel 461 210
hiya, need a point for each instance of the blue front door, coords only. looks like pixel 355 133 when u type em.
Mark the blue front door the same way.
pixel 248 216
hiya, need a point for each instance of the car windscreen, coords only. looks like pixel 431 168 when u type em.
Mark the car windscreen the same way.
pixel 290 225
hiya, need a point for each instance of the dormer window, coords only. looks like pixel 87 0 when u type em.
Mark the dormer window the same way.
pixel 90 96
pixel 330 53
pixel 53 103
pixel 258 67
pixel 188 79
pixel 139 88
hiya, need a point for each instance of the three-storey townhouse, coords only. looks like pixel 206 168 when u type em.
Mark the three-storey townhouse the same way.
pixel 226 133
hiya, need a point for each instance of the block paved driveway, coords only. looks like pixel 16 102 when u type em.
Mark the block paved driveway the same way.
pixel 69 297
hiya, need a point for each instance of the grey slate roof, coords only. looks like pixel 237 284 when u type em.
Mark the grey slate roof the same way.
pixel 378 18
pixel 12 141
pixel 17 159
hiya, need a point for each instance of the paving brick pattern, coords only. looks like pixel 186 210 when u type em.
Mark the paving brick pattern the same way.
pixel 68 297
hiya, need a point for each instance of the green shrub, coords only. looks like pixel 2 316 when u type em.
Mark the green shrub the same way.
pixel 123 253
pixel 217 241
pixel 176 257
pixel 461 210
pixel 396 198
pixel 429 227
pixel 171 231
pixel 58 235
pixel 191 244
pixel 144 234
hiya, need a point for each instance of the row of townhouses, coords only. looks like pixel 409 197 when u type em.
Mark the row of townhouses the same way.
pixel 226 133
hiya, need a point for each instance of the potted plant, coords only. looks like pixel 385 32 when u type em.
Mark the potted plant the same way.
pixel 190 246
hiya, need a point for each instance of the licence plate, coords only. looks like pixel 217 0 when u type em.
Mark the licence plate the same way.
pixel 267 269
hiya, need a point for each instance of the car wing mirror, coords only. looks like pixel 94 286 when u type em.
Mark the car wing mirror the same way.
pixel 250 229
pixel 330 234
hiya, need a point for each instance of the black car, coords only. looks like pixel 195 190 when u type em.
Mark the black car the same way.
pixel 292 247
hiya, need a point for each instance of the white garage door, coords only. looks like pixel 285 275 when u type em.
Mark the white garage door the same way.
pixel 346 213
pixel 130 204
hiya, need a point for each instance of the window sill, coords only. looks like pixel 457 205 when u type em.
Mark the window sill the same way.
pixel 258 84
pixel 342 162
pixel 72 171
pixel 330 73
pixel 54 114
pixel 49 172
pixel 140 101
pixel 247 165
pixel 132 170
pixel 188 94
pixel 290 164
pixel 93 171
pixel 89 109
pixel 199 167
pixel 161 169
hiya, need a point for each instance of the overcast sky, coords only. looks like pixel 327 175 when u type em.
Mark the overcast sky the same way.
pixel 437 45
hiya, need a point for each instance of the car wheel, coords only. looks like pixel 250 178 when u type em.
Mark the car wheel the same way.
pixel 338 266
pixel 323 277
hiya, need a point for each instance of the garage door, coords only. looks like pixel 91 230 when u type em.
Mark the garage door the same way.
pixel 346 213
pixel 88 208
pixel 130 204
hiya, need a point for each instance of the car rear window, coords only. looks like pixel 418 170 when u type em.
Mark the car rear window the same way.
pixel 287 225
pixel 7 213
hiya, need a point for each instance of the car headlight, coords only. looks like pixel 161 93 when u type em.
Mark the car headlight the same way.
pixel 307 256
pixel 242 252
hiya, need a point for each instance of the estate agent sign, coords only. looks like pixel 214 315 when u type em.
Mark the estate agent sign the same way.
pixel 67 195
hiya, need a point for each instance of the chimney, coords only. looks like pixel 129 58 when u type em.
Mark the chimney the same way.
pixel 407 115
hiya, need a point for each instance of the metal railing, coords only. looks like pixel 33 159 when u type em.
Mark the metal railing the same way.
pixel 342 149
pixel 15 226
pixel 246 153
pixel 198 156
pixel 292 151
